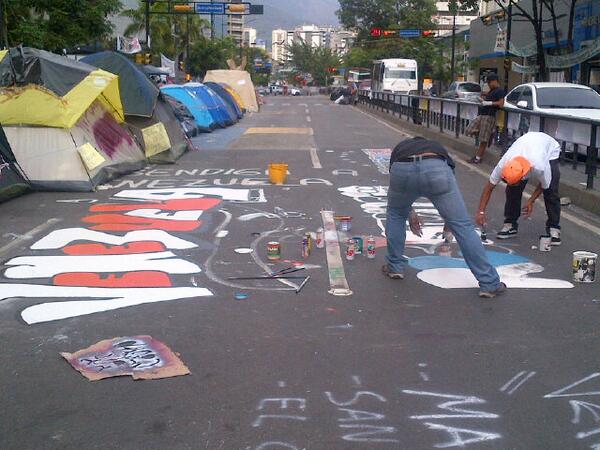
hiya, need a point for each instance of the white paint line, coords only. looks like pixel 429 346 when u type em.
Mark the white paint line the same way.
pixel 424 376
pixel 281 384
pixel 28 235
pixel 314 157
pixel 531 374
pixel 308 119
pixel 565 215
pixel 513 379
pixel 356 380
pixel 307 111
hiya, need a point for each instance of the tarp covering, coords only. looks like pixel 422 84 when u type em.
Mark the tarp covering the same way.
pixel 40 88
pixel 12 183
pixel 138 93
pixel 96 149
pixel 196 106
pixel 240 81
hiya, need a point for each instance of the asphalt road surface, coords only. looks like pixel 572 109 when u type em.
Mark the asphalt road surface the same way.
pixel 412 364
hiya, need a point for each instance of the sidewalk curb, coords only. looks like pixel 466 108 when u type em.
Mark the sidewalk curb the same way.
pixel 588 200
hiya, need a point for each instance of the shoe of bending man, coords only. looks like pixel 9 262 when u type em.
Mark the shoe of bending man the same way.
pixel 423 168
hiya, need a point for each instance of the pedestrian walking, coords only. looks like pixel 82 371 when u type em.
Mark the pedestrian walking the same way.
pixel 533 155
pixel 423 168
pixel 484 124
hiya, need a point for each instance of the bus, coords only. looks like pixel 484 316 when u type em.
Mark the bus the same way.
pixel 358 74
pixel 398 76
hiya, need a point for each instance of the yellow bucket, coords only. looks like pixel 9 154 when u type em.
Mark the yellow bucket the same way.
pixel 278 173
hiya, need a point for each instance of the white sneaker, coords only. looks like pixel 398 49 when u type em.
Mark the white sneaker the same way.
pixel 555 236
pixel 507 231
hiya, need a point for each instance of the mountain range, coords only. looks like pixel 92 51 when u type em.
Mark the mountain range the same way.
pixel 288 14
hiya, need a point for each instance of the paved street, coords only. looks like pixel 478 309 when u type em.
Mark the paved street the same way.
pixel 412 364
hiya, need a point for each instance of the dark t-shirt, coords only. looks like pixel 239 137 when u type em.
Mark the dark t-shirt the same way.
pixel 417 146
pixel 492 96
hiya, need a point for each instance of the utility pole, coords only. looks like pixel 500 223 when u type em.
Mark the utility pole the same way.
pixel 452 58
pixel 507 49
pixel 188 21
pixel 212 25
pixel 148 23
pixel 3 25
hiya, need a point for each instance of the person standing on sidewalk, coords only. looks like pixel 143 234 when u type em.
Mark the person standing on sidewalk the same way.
pixel 484 124
pixel 532 155
pixel 423 168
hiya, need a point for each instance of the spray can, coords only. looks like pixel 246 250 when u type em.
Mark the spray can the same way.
pixel 305 248
pixel 273 251
pixel 308 237
pixel 320 238
pixel 358 245
pixel 350 250
pixel 370 247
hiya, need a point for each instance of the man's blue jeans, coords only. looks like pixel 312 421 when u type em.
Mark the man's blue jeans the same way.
pixel 434 179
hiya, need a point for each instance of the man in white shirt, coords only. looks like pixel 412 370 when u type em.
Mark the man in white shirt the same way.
pixel 534 155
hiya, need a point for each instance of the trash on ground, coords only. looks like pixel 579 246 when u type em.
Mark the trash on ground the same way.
pixel 142 357
pixel 243 251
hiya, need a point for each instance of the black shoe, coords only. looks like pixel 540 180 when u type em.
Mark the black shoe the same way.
pixel 492 294
pixel 393 275
pixel 507 231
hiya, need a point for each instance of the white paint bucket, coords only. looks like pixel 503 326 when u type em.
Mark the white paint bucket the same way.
pixel 545 243
pixel 584 266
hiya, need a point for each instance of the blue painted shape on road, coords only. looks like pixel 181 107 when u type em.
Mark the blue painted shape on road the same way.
pixel 220 139
pixel 446 262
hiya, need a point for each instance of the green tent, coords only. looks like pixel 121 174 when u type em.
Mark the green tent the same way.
pixel 12 183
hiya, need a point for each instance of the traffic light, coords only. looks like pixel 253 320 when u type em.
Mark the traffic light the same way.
pixel 376 32
pixel 148 58
pixel 507 64
pixel 188 77
pixel 428 33
pixel 183 8
pixel 139 58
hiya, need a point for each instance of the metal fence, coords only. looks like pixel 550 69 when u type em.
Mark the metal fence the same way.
pixel 579 137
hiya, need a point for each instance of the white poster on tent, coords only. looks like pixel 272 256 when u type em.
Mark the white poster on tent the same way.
pixel 90 156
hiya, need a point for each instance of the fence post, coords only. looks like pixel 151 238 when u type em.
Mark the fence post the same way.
pixel 590 162
pixel 441 116
pixel 457 120
pixel 428 111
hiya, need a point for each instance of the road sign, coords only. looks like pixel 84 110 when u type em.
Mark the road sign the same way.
pixel 409 33
pixel 210 8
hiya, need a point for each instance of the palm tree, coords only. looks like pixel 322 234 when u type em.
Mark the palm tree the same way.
pixel 168 32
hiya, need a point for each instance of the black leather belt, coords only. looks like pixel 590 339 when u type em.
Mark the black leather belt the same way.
pixel 414 158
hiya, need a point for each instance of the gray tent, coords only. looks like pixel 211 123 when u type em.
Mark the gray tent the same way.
pixel 12 183
pixel 143 104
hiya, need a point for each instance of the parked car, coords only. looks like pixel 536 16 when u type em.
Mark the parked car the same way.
pixel 465 90
pixel 561 99
pixel 276 90
pixel 295 91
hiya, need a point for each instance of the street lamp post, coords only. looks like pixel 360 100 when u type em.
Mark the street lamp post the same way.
pixel 452 58
pixel 507 48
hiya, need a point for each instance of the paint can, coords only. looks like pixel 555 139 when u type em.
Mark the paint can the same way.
pixel 320 238
pixel 345 223
pixel 358 245
pixel 350 249
pixel 445 250
pixel 584 266
pixel 545 243
pixel 305 247
pixel 273 251
pixel 371 247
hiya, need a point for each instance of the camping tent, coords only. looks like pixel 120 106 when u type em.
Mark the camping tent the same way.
pixel 210 99
pixel 235 95
pixel 230 102
pixel 196 106
pixel 240 81
pixel 12 183
pixel 63 121
pixel 183 114
pixel 144 108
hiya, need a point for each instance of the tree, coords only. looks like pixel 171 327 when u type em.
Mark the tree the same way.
pixel 313 60
pixel 58 24
pixel 207 54
pixel 168 32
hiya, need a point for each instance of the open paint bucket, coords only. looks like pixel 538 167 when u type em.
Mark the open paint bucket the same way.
pixel 278 173
pixel 584 267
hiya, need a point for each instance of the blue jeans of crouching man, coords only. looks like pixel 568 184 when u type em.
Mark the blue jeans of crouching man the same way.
pixel 434 179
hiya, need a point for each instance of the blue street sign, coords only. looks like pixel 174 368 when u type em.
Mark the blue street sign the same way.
pixel 210 8
pixel 409 33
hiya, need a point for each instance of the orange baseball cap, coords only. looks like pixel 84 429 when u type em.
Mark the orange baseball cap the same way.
pixel 515 169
